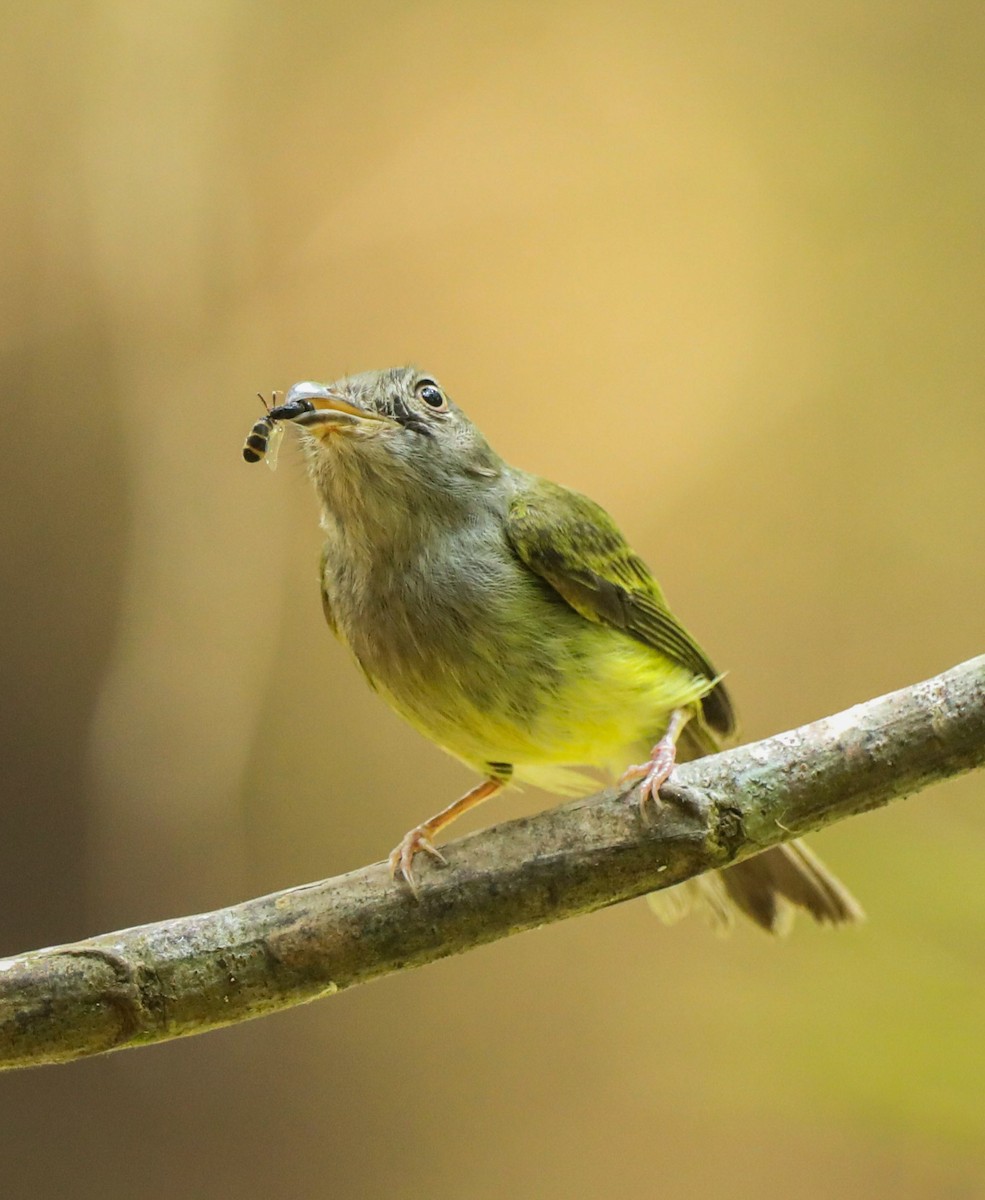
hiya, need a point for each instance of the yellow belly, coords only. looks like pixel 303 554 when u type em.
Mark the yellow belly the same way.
pixel 612 696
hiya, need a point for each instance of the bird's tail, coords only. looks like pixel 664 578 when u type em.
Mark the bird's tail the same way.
pixel 767 888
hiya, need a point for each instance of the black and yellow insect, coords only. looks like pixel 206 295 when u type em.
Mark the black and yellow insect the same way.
pixel 263 438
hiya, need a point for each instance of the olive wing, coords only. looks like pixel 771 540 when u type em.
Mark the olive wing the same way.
pixel 573 543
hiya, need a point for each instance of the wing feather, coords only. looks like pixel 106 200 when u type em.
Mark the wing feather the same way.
pixel 573 543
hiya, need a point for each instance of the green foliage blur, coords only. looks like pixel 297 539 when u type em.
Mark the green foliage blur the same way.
pixel 722 267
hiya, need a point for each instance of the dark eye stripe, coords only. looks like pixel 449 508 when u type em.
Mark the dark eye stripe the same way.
pixel 416 424
pixel 403 413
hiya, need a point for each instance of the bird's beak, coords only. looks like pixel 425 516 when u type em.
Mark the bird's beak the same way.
pixel 329 411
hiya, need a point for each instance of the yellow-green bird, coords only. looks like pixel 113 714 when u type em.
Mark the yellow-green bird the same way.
pixel 507 619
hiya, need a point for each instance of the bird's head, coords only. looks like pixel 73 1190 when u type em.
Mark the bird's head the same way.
pixel 390 439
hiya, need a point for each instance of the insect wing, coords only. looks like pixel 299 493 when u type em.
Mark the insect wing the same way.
pixel 273 445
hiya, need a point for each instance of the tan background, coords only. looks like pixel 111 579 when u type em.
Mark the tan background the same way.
pixel 719 265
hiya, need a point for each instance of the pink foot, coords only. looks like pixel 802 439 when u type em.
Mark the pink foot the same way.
pixel 402 857
pixel 653 774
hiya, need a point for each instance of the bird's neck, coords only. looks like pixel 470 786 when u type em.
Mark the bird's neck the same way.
pixel 374 512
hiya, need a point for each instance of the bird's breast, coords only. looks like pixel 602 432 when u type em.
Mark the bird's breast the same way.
pixel 436 618
pixel 484 657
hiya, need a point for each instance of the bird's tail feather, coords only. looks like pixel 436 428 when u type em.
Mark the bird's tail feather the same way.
pixel 767 888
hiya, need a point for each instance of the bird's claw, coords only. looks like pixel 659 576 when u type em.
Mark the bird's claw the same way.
pixel 652 775
pixel 402 856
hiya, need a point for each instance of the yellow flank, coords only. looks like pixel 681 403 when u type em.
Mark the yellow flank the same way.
pixel 615 699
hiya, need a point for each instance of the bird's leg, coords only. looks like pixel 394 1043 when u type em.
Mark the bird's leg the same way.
pixel 654 774
pixel 419 838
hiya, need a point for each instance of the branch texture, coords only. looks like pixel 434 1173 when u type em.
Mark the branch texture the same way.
pixel 196 973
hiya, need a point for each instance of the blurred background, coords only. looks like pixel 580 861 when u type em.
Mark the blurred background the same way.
pixel 720 266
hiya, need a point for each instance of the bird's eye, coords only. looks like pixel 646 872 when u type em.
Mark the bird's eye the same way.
pixel 432 395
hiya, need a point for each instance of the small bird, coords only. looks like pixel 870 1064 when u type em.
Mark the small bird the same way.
pixel 507 619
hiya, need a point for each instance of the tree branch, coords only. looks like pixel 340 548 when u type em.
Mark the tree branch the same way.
pixel 188 975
